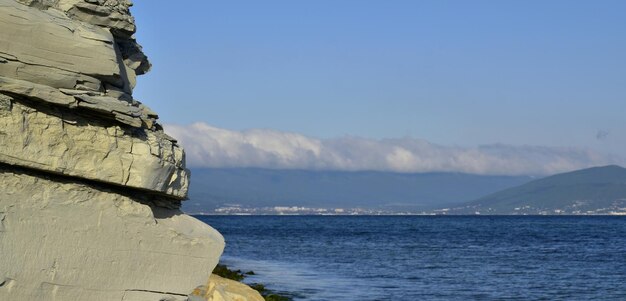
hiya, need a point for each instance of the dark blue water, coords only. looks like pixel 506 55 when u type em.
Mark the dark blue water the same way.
pixel 430 258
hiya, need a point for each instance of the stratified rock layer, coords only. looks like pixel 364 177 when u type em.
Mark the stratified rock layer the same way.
pixel 90 185
pixel 60 64
pixel 60 141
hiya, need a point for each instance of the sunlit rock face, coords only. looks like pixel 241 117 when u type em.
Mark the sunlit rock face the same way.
pixel 90 185
pixel 81 75
pixel 69 240
pixel 222 289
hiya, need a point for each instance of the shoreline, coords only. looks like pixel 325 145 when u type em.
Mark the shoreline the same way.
pixel 224 271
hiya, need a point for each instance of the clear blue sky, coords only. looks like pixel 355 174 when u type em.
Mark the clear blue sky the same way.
pixel 550 73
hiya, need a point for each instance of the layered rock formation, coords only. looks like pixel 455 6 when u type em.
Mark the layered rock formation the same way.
pixel 90 185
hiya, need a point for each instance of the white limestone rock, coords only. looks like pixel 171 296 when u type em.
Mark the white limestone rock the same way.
pixel 66 240
pixel 55 62
pixel 45 50
pixel 36 92
pixel 49 38
pixel 90 185
pixel 113 14
pixel 58 141
pixel 47 76
pixel 222 289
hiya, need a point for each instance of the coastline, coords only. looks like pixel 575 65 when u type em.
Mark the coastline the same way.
pixel 224 271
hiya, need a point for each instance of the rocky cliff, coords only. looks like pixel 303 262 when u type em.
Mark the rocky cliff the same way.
pixel 90 185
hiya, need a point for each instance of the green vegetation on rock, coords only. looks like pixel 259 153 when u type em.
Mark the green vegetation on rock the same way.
pixel 223 271
pixel 269 295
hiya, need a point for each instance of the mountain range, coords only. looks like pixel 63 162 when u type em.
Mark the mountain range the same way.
pixel 597 190
pixel 253 187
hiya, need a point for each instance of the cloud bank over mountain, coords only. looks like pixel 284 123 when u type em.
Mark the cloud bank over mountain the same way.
pixel 208 146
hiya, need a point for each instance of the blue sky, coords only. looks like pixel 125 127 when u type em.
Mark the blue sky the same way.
pixel 452 73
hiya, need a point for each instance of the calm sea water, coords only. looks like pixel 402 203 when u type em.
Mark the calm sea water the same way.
pixel 430 258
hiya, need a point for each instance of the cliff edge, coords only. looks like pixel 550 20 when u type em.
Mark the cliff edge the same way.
pixel 90 185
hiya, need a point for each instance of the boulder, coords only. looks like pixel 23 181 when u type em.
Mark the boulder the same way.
pixel 222 289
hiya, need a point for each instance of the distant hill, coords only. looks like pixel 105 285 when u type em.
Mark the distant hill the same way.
pixel 592 190
pixel 211 188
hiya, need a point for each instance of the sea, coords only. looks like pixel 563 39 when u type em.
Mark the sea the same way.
pixel 430 257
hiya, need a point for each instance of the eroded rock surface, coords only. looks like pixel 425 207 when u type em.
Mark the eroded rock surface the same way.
pixel 222 289
pixel 52 59
pixel 67 240
pixel 90 185
pixel 58 140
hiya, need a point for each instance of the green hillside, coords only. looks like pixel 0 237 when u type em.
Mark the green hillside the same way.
pixel 598 190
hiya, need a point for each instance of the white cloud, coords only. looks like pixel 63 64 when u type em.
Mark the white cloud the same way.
pixel 208 146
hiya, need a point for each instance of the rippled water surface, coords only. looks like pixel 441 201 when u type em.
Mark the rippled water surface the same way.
pixel 430 258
